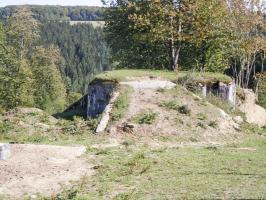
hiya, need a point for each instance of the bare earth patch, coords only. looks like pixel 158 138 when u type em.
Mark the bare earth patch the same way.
pixel 41 169
pixel 254 113
pixel 204 124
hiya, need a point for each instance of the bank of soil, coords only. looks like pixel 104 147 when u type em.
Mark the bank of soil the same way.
pixel 205 123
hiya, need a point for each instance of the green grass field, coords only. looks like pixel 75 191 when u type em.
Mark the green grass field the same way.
pixel 123 74
pixel 135 170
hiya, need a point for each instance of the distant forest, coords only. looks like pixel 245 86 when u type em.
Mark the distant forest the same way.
pixel 44 13
pixel 82 46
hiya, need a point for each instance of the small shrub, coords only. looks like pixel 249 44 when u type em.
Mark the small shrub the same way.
pixel 253 129
pixel 121 104
pixel 179 121
pixel 78 125
pixel 5 126
pixel 217 101
pixel 172 105
pixel 240 94
pixel 147 117
pixel 161 90
pixel 33 114
pixel 44 118
pixel 192 139
pixel 184 110
pixel 136 159
pixel 200 124
pixel 213 124
pixel 212 148
pixel 201 116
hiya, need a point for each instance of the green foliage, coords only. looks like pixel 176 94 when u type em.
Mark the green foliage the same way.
pixel 145 117
pixel 172 105
pixel 121 104
pixel 217 101
pixel 122 74
pixel 127 50
pixel 160 33
pixel 201 116
pixel 5 127
pixel 203 77
pixel 16 76
pixel 50 92
pixel 262 89
pixel 249 128
pixel 73 97
pixel 47 12
pixel 83 56
pixel 213 124
pixel 29 73
pixel 79 126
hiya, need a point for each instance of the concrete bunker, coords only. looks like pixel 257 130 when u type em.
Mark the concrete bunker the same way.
pixel 226 91
pixel 98 97
pixel 93 104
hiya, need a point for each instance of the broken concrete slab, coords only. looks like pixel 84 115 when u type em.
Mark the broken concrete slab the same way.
pixel 4 151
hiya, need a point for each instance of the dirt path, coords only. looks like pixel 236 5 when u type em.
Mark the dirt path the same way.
pixel 41 169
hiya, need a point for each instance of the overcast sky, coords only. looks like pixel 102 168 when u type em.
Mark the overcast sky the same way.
pixel 51 2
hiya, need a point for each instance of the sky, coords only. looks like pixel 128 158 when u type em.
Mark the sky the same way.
pixel 51 2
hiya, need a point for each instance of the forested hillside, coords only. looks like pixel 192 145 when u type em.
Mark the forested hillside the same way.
pixel 29 72
pixel 43 13
pixel 45 50
pixel 83 49
pixel 82 46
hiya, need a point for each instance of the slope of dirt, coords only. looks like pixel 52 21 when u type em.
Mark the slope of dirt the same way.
pixel 204 124
pixel 40 169
pixel 254 113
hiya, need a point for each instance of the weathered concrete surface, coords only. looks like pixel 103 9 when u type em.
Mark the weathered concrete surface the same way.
pixel 226 92
pixel 4 151
pixel 106 114
pixel 99 95
pixel 150 84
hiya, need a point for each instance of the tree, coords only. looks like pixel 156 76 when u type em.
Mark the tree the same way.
pixel 83 48
pixel 21 32
pixel 168 25
pixel 247 25
pixel 49 88
pixel 155 24
pixel 127 51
